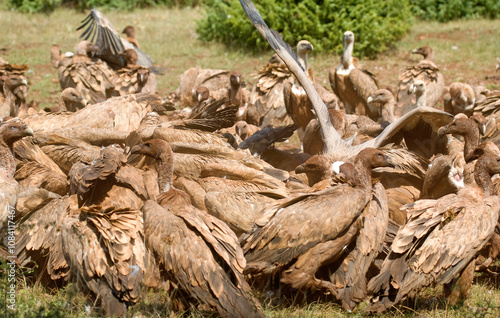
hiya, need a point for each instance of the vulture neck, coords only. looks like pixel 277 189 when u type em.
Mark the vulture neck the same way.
pixel 62 105
pixel 388 111
pixel 483 178
pixel 233 92
pixel 165 169
pixel 421 97
pixel 7 159
pixel 471 139
pixel 347 55
pixel 362 174
pixel 302 58
pixel 429 56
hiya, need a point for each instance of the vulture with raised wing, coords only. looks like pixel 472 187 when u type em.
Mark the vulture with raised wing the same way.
pixel 101 32
pixel 91 77
pixel 198 253
pixel 428 119
pixel 352 84
pixel 436 245
pixel 425 71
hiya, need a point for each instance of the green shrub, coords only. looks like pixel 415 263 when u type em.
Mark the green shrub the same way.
pixel 376 24
pixel 446 10
pixel 32 6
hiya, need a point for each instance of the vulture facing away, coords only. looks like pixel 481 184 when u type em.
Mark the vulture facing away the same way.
pixel 425 71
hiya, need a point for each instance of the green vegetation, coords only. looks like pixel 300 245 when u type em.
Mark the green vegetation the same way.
pixel 32 6
pixel 377 25
pixel 447 10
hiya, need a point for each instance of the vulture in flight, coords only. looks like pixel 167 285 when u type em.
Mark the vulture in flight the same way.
pixel 99 30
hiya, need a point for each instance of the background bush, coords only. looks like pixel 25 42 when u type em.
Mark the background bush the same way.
pixel 376 24
pixel 446 10
pixel 32 6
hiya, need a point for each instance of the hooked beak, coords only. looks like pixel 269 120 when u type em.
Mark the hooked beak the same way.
pixel 28 131
pixel 389 161
pixel 135 149
pixel 370 99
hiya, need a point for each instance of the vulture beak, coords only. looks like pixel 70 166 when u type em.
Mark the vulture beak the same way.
pixel 389 162
pixel 415 51
pixel 300 169
pixel 471 156
pixel 135 149
pixel 310 47
pixel 482 129
pixel 370 99
pixel 28 131
pixel 442 130
pixel 24 82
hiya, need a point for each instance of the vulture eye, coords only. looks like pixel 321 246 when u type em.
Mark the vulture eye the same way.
pixel 147 144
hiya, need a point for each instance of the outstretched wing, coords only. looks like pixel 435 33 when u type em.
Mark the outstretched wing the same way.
pixel 99 30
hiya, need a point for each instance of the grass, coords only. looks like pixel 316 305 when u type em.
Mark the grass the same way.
pixel 465 51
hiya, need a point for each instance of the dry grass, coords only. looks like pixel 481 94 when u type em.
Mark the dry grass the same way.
pixel 465 51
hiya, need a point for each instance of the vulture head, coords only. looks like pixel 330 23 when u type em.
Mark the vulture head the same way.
pixel 419 89
pixel 156 148
pixel 13 130
pixel 304 47
pixel 348 37
pixel 142 76
pixel 129 31
pixel 425 51
pixel 71 96
pixel 13 81
pixel 202 93
pixel 383 101
pixel 87 48
pixel 130 56
pixel 459 126
pixel 373 158
pixel 235 79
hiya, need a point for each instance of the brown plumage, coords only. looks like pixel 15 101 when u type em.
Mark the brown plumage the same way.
pixel 425 71
pixel 267 93
pixel 297 103
pixel 104 123
pixel 10 132
pixel 436 244
pixel 109 182
pixel 10 83
pixel 195 77
pixel 287 237
pixel 37 170
pixel 91 77
pixel 192 236
pixel 352 84
pixel 459 98
pixel 105 250
pixel 133 78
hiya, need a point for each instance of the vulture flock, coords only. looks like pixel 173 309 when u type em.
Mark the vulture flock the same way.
pixel 119 190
